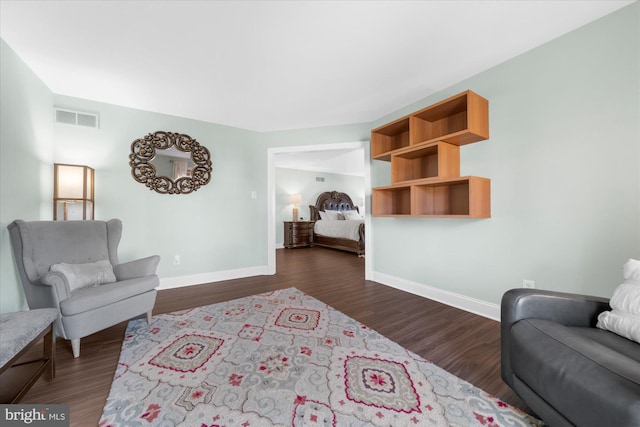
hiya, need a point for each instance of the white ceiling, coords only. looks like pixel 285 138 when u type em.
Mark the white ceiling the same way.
pixel 274 65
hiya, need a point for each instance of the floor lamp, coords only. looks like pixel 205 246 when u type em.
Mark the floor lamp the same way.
pixel 72 184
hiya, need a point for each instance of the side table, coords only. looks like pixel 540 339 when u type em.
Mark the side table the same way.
pixel 298 234
pixel 19 332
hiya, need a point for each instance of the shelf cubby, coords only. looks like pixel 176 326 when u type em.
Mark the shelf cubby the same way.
pixel 392 201
pixel 464 197
pixel 388 138
pixel 434 160
pixel 459 120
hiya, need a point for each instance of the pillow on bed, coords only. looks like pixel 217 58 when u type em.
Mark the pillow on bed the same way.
pixel 351 215
pixel 331 215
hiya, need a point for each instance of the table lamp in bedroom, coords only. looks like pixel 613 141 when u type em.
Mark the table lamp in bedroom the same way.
pixel 295 200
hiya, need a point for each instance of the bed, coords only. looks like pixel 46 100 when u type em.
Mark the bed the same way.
pixel 334 230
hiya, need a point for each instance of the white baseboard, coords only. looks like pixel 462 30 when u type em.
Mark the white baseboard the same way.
pixel 214 276
pixel 463 302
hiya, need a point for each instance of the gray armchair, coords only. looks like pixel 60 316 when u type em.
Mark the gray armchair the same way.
pixel 38 245
pixel 569 372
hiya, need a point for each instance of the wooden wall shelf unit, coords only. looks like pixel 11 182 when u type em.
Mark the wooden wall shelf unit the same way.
pixel 424 151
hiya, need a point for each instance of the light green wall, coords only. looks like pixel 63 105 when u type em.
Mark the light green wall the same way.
pixel 563 160
pixel 26 165
pixel 291 181
pixel 207 228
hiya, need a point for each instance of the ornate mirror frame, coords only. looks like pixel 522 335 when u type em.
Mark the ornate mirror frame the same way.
pixel 143 151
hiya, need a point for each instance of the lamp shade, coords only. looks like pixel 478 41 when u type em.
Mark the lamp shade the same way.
pixel 295 199
pixel 73 185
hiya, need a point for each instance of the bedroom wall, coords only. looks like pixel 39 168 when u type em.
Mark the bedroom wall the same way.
pixel 26 165
pixel 563 159
pixel 291 181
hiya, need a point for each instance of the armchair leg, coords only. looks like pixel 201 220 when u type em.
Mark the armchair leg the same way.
pixel 75 347
pixel 149 317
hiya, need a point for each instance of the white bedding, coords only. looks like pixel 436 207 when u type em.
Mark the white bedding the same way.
pixel 345 229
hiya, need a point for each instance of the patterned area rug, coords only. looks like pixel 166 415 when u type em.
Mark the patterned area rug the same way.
pixel 284 359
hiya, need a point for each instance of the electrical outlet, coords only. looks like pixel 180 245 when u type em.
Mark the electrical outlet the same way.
pixel 176 260
pixel 529 284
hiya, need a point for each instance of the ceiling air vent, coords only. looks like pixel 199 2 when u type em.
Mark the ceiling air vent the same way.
pixel 76 118
pixel 319 179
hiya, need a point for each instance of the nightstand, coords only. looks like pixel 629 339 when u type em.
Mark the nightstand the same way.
pixel 298 234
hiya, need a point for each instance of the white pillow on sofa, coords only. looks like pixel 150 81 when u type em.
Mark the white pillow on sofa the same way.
pixel 626 298
pixel 624 319
pixel 631 269
pixel 620 323
pixel 88 274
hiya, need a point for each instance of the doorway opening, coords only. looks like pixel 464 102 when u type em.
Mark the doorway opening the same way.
pixel 272 161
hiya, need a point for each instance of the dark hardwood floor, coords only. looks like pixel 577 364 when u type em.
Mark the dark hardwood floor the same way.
pixel 464 344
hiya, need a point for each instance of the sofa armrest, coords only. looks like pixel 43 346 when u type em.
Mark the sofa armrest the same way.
pixel 564 308
pixel 138 268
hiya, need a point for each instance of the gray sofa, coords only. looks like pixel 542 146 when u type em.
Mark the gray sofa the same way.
pixel 38 245
pixel 566 370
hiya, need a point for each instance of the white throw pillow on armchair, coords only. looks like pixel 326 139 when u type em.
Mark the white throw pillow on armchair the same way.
pixel 88 274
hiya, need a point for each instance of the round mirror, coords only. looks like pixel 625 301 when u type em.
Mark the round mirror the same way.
pixel 170 163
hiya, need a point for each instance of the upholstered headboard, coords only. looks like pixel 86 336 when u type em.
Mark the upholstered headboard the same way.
pixel 331 201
